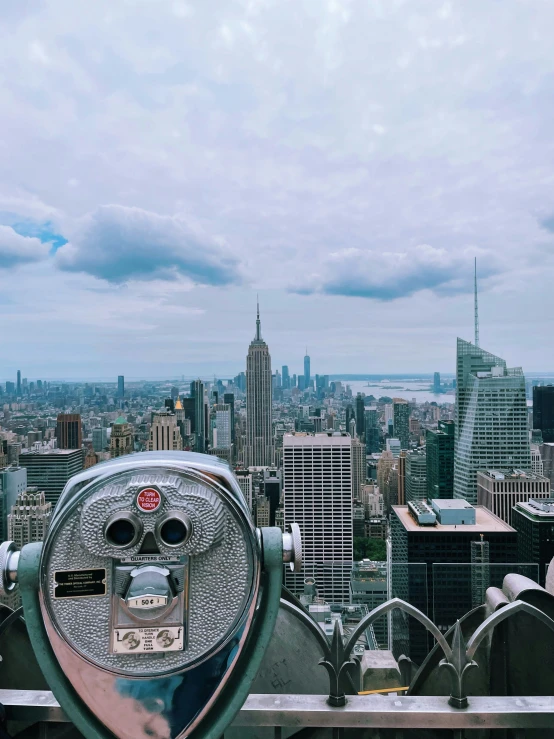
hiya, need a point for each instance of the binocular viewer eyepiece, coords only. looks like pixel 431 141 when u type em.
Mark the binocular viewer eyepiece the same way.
pixel 152 581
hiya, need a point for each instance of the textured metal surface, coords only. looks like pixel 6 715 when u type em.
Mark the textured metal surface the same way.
pixel 208 464
pixel 222 570
pixel 372 711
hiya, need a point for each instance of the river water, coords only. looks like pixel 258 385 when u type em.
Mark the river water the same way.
pixel 405 388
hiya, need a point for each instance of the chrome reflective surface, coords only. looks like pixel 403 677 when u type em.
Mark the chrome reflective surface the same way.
pixel 160 708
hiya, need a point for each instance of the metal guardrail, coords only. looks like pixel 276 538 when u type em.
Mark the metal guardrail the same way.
pixel 371 711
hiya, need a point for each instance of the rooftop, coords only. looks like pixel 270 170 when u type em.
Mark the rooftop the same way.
pixel 486 522
pixel 456 504
pixel 543 508
pixel 511 474
pixel 48 451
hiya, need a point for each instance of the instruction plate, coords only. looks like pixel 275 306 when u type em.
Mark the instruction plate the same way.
pixel 135 641
pixel 79 583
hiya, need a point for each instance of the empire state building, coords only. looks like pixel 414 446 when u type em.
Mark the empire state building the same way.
pixel 259 436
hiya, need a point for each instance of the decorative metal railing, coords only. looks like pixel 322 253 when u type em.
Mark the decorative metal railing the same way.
pixel 340 711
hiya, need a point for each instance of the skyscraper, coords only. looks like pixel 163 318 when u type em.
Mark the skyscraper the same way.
pixel 500 490
pixel 259 434
pixel 223 426
pixel 29 518
pixel 120 386
pixel 491 418
pixel 359 467
pixel 121 439
pixel 49 469
pixel 372 432
pixel 437 382
pixel 197 392
pixel 99 439
pixel 69 431
pixel 416 475
pixel 440 461
pixel 360 416
pixel 27 521
pixel 18 386
pixel 229 399
pixel 286 377
pixel 165 434
pixel 543 411
pixel 307 371
pixel 317 494
pixel 401 421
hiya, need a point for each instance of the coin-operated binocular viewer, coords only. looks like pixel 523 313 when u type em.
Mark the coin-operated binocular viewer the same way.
pixel 153 598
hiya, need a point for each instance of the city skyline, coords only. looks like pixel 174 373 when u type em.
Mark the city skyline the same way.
pixel 153 186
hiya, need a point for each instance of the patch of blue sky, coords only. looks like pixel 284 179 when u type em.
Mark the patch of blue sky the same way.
pixel 45 231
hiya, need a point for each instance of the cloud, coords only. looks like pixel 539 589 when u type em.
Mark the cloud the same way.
pixel 388 275
pixel 16 249
pixel 118 244
pixel 548 223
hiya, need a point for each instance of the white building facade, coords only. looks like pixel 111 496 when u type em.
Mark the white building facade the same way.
pixel 317 495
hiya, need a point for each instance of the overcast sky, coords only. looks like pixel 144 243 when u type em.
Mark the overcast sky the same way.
pixel 162 162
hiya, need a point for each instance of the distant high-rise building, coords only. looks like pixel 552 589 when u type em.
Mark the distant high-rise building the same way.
pixel 69 431
pixel 416 475
pixel 49 469
pixel 229 399
pixel 99 439
pixel 372 432
pixel 534 522
pixel 384 464
pixel 500 490
pixel 29 518
pixel 349 416
pixel 3 453
pixel 223 426
pixel 359 467
pixel 437 382
pixel 491 429
pixel 543 411
pixel 27 522
pixel 537 465
pixel 317 494
pixel 197 392
pixel 439 446
pixel 272 486
pixel 394 446
pixel 165 434
pixel 244 478
pixel 259 431
pixel 360 416
pixel 18 387
pixel 307 377
pixel 121 439
pixel 120 386
pixel 401 421
pixel 286 377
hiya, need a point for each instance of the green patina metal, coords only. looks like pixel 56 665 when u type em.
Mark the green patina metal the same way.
pixel 234 693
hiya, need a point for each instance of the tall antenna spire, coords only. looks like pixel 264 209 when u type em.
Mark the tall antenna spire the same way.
pixel 476 318
pixel 258 329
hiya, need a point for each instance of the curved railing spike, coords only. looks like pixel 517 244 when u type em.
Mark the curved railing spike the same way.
pixel 518 606
pixel 338 661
